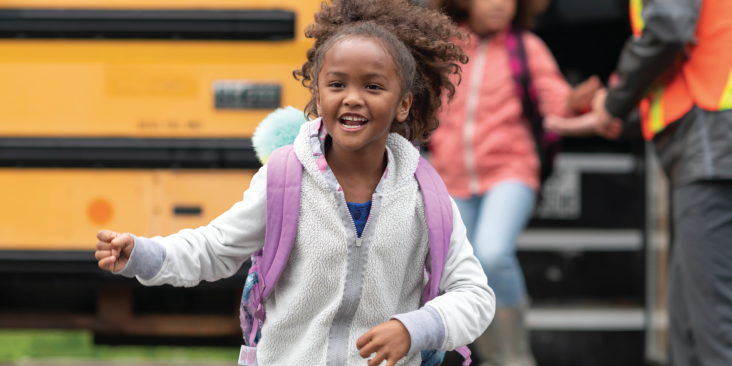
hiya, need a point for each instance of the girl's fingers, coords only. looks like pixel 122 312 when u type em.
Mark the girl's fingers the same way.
pixel 378 359
pixel 364 339
pixel 101 254
pixel 599 99
pixel 368 350
pixel 106 235
pixel 594 83
pixel 119 243
pixel 612 132
pixel 107 264
pixel 101 245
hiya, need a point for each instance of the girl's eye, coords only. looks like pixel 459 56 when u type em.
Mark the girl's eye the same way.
pixel 373 87
pixel 336 85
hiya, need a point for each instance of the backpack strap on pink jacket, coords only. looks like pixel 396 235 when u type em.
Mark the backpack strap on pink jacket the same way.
pixel 284 175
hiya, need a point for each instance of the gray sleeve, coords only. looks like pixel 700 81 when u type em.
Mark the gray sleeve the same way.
pixel 655 55
pixel 146 259
pixel 632 130
pixel 425 328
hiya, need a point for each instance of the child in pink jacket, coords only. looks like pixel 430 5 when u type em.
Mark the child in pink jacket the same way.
pixel 485 152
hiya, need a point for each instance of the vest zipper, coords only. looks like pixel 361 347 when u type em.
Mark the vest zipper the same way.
pixel 472 104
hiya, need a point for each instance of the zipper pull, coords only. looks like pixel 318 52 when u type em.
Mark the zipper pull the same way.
pixel 358 242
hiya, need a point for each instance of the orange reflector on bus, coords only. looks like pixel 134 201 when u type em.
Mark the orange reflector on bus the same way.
pixel 99 211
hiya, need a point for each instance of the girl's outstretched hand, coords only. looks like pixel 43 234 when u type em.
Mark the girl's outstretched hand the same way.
pixel 582 126
pixel 113 250
pixel 390 341
pixel 580 99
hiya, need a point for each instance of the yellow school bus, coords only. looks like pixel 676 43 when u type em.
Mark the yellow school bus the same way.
pixel 135 115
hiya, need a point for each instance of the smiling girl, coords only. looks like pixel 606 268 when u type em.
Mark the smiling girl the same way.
pixel 350 293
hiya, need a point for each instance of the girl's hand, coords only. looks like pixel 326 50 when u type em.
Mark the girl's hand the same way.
pixel 581 126
pixel 608 126
pixel 390 341
pixel 113 250
pixel 585 125
pixel 580 99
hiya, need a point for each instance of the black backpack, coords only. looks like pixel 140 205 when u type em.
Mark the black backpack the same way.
pixel 548 144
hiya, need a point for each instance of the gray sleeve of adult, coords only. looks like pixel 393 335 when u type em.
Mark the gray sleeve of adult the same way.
pixel 425 328
pixel 649 59
pixel 146 259
pixel 632 130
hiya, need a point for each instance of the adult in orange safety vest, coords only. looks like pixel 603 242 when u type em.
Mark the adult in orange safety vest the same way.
pixel 677 69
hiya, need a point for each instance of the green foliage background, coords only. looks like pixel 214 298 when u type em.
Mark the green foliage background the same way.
pixel 19 344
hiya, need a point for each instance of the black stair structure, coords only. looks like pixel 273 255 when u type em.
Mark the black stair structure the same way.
pixel 594 252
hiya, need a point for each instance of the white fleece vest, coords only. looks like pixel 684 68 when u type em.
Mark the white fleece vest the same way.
pixel 332 291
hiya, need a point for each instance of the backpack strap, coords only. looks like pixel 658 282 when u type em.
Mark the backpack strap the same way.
pixel 284 178
pixel 438 212
pixel 439 215
pixel 547 143
pixel 521 75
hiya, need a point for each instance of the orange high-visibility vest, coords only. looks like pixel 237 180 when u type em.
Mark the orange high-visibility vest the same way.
pixel 704 79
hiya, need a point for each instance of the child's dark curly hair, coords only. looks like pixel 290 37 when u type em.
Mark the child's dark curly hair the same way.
pixel 418 39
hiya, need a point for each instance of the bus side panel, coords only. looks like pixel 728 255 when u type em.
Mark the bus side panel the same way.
pixel 82 88
pixel 183 192
pixel 62 209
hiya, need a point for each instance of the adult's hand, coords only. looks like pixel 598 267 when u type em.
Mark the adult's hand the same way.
pixel 113 250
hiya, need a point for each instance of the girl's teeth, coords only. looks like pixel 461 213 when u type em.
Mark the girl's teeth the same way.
pixel 346 119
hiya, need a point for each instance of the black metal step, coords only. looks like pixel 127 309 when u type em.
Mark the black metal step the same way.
pixel 147 24
pixel 128 153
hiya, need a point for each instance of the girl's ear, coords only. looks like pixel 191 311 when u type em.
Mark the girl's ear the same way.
pixel 403 109
pixel 317 102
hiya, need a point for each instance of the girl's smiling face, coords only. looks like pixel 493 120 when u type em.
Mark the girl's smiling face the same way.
pixel 359 94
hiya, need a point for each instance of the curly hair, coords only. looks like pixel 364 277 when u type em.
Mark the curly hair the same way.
pixel 418 39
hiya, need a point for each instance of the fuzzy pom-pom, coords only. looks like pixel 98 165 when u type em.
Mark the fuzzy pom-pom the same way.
pixel 279 128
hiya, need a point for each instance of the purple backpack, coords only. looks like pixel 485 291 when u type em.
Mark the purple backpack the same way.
pixel 284 175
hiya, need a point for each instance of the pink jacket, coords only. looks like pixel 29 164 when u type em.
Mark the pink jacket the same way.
pixel 483 138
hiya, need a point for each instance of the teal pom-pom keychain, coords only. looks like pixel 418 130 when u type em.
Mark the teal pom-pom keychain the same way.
pixel 279 128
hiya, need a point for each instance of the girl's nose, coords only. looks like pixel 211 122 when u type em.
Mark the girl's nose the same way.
pixel 353 98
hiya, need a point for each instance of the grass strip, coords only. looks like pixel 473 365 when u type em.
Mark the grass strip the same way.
pixel 19 344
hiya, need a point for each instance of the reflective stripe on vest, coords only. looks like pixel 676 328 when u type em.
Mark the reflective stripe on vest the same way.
pixel 664 104
pixel 705 77
pixel 636 20
pixel 655 114
pixel 726 101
